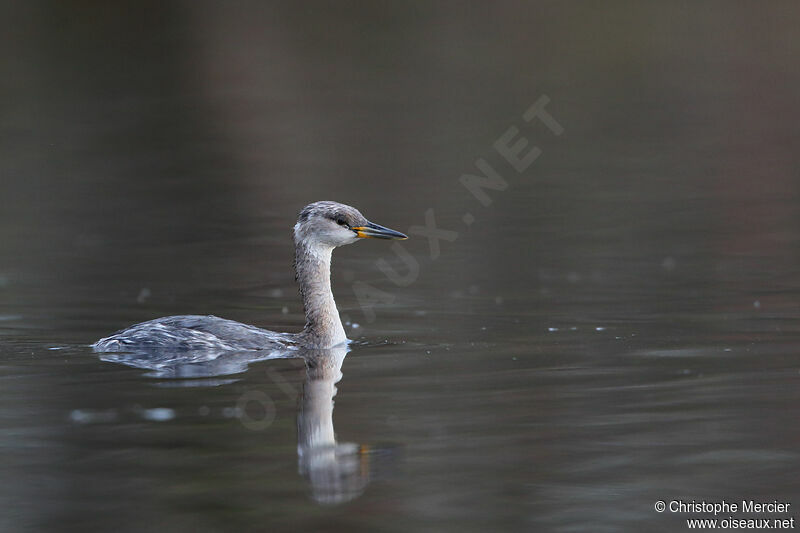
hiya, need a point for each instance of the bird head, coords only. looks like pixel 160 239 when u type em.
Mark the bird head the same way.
pixel 332 224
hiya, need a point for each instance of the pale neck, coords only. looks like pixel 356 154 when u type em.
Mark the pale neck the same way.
pixel 323 327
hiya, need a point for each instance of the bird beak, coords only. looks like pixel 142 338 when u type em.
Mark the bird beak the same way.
pixel 374 231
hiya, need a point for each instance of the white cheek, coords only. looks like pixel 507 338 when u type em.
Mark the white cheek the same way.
pixel 342 236
pixel 325 237
pixel 335 237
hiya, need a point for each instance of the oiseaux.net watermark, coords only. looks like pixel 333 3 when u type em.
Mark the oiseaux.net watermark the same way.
pixel 517 152
pixel 730 514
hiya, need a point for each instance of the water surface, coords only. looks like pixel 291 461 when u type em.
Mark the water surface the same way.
pixel 619 325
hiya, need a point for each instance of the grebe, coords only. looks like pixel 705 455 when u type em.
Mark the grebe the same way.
pixel 321 227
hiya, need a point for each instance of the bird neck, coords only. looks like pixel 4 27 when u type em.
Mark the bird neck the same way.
pixel 312 265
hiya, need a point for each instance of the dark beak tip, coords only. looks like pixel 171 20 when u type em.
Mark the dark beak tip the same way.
pixel 381 232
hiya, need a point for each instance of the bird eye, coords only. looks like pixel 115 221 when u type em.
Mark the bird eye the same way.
pixel 341 222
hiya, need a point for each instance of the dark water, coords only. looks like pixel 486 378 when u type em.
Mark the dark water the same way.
pixel 619 325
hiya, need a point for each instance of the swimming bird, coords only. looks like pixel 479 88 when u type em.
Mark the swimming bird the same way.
pixel 321 227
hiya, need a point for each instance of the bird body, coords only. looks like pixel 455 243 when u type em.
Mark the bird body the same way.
pixel 321 227
pixel 194 332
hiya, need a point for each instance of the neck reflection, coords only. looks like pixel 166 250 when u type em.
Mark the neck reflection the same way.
pixel 338 472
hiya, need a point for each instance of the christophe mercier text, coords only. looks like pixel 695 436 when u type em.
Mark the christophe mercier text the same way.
pixel 745 506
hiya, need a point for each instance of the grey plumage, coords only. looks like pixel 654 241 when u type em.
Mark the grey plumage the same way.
pixel 194 332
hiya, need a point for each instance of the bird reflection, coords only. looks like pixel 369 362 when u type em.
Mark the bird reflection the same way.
pixel 183 364
pixel 336 471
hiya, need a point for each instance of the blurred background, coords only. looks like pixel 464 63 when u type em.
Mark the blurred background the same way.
pixel 619 325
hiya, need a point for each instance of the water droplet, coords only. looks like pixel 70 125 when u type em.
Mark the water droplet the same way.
pixel 90 416
pixel 158 414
